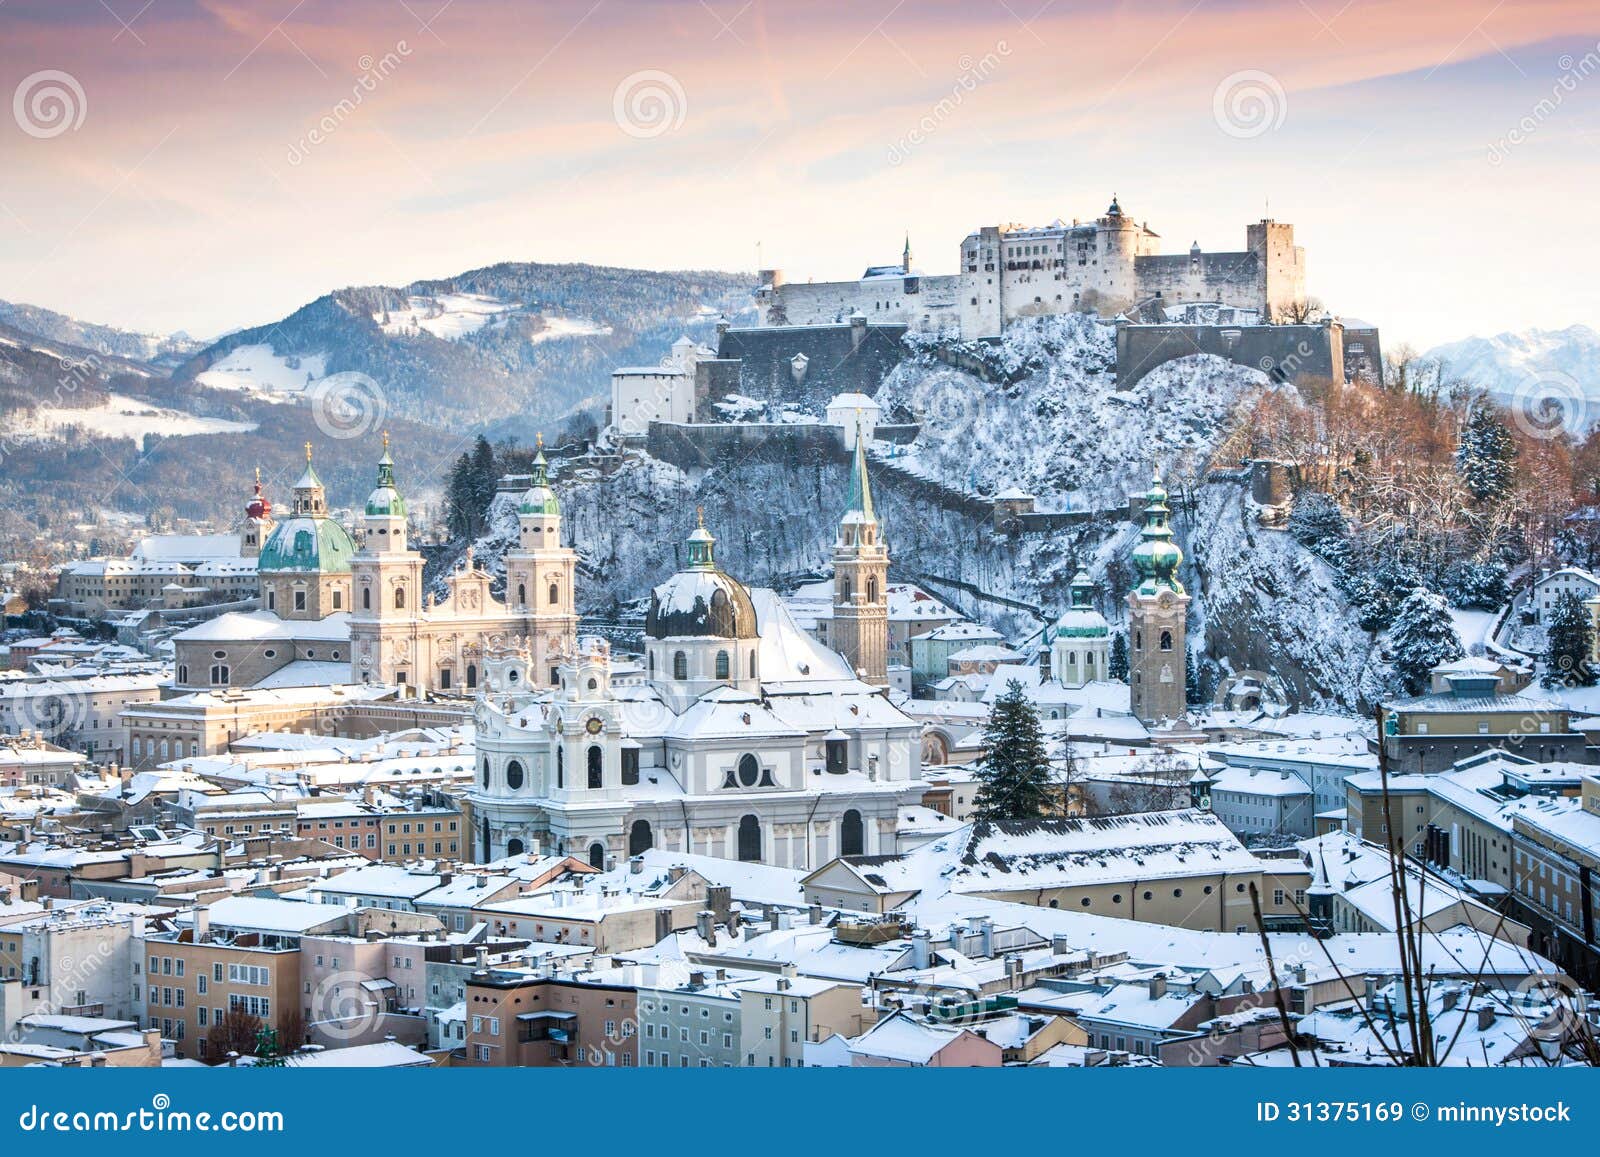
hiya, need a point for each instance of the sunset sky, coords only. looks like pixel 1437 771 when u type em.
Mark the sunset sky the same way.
pixel 192 195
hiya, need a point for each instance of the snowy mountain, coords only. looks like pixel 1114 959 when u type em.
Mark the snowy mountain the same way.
pixel 163 350
pixel 1562 363
pixel 511 347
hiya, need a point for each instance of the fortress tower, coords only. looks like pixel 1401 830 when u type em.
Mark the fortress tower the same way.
pixel 1158 615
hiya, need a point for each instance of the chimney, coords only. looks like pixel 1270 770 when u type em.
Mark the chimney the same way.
pixel 697 980
pixel 481 957
pixel 202 924
pixel 1059 945
pixel 705 925
pixel 1485 1017
pixel 815 913
pixel 1158 986
pixel 719 899
pixel 986 937
pixel 635 865
pixel 921 949
pixel 783 984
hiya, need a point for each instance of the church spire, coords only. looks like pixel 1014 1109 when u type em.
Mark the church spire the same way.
pixel 905 256
pixel 860 503
pixel 701 555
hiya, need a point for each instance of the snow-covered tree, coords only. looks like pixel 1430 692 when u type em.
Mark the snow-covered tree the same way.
pixel 1422 636
pixel 1476 585
pixel 1315 519
pixel 1117 665
pixel 1014 774
pixel 1569 642
pixel 1485 454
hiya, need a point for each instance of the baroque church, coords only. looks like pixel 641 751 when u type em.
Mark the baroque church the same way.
pixel 335 611
pixel 743 738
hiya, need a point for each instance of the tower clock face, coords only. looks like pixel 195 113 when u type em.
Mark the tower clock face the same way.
pixel 593 726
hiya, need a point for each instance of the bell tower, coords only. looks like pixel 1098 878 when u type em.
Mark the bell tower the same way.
pixel 387 584
pixel 257 522
pixel 541 573
pixel 861 578
pixel 1158 616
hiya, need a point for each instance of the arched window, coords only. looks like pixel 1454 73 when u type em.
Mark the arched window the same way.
pixel 640 838
pixel 680 665
pixel 555 594
pixel 1138 640
pixel 399 598
pixel 514 774
pixel 1166 640
pixel 486 773
pixel 844 590
pixel 722 664
pixel 597 855
pixel 472 675
pixel 596 765
pixel 183 672
pixel 522 594
pixel 749 771
pixel 366 598
pixel 750 840
pixel 219 674
pixel 852 834
pixel 872 590
pixel 752 663
pixel 561 767
pixel 514 847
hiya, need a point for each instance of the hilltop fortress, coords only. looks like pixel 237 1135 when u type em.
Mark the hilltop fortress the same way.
pixel 1111 265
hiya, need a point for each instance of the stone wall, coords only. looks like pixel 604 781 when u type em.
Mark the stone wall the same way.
pixel 1285 352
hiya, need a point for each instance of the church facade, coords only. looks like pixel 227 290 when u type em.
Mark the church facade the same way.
pixel 744 739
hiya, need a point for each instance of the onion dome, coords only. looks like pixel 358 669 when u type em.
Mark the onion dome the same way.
pixel 259 506
pixel 701 601
pixel 307 544
pixel 385 499
pixel 1080 620
pixel 1157 557
pixel 540 498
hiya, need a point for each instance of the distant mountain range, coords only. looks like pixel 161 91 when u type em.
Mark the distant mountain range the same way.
pixel 510 348
pixel 1563 364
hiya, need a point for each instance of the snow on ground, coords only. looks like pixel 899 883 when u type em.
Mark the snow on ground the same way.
pixel 451 316
pixel 1473 627
pixel 563 327
pixel 120 417
pixel 256 369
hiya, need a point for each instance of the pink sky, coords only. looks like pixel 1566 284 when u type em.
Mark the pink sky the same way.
pixel 191 195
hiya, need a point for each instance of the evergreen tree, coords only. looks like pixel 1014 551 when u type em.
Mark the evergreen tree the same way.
pixel 460 509
pixel 1569 641
pixel 1485 454
pixel 1014 773
pixel 1316 520
pixel 1117 665
pixel 1476 585
pixel 1423 636
pixel 485 474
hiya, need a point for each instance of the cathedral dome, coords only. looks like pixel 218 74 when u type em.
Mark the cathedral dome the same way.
pixel 540 498
pixel 1081 620
pixel 385 499
pixel 700 600
pixel 315 545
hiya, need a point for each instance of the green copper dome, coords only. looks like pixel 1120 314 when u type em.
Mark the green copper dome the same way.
pixel 1081 620
pixel 1157 556
pixel 385 498
pixel 313 545
pixel 540 498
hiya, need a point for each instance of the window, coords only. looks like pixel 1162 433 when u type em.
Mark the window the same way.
pixel 554 594
pixel 522 594
pixel 680 665
pixel 366 598
pixel 749 771
pixel 399 598
pixel 722 665
pixel 514 774
pixel 299 600
pixel 596 762
pixel 1166 640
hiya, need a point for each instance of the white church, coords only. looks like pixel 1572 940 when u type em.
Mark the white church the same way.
pixel 744 738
